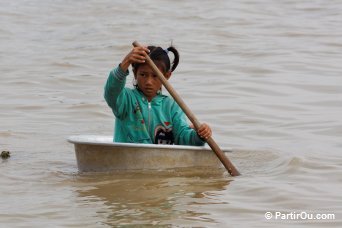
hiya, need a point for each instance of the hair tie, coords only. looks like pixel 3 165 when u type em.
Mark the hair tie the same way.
pixel 166 51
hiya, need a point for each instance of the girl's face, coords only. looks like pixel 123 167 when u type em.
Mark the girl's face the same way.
pixel 148 81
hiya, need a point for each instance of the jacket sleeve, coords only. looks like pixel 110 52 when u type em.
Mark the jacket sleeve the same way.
pixel 115 93
pixel 183 134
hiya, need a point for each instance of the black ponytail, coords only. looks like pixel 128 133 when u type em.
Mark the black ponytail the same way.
pixel 159 55
pixel 176 57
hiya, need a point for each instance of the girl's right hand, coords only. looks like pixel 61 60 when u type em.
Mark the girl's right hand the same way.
pixel 136 55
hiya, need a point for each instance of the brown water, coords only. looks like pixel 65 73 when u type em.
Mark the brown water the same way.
pixel 265 74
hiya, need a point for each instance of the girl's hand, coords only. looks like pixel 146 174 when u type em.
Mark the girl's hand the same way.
pixel 204 131
pixel 136 55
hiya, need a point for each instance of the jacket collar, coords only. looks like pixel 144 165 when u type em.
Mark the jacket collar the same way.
pixel 157 100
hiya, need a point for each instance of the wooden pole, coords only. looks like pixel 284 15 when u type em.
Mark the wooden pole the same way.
pixel 211 142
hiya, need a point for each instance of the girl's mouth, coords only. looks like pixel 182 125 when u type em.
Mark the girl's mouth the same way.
pixel 149 90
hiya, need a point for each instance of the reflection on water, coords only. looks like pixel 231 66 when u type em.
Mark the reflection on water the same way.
pixel 152 197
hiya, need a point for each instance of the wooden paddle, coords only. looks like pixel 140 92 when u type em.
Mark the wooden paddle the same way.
pixel 225 161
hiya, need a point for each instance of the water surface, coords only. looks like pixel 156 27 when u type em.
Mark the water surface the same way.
pixel 265 75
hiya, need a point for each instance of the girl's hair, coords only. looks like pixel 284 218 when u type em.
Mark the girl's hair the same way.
pixel 160 55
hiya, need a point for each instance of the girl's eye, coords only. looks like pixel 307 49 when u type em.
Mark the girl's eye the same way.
pixel 142 75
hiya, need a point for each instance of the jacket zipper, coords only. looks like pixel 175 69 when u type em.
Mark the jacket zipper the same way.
pixel 149 116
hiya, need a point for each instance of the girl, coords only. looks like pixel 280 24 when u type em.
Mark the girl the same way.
pixel 144 114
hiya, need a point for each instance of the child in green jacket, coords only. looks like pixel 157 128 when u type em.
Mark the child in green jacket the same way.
pixel 144 114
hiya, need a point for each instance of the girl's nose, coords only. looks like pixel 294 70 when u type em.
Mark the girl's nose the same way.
pixel 148 80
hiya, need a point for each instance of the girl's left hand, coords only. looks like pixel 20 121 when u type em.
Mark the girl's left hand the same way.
pixel 204 131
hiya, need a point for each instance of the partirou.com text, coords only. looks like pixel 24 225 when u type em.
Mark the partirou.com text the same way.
pixel 300 215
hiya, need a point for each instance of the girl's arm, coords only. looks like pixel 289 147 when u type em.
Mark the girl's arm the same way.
pixel 114 92
pixel 136 55
pixel 114 89
pixel 183 133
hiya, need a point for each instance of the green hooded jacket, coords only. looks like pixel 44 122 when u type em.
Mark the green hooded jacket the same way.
pixel 160 121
